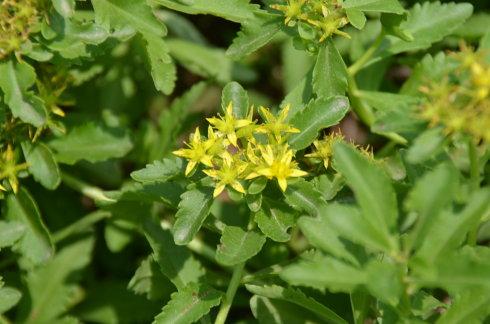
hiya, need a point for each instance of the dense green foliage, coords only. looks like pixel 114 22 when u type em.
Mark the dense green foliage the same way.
pixel 361 195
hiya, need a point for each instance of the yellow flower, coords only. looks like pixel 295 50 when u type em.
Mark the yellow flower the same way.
pixel 228 125
pixel 9 168
pixel 277 163
pixel 480 76
pixel 229 173
pixel 324 148
pixel 198 151
pixel 276 125
pixel 292 11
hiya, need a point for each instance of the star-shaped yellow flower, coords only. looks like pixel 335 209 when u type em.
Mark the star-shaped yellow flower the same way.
pixel 324 148
pixel 198 151
pixel 276 126
pixel 9 168
pixel 292 10
pixel 228 173
pixel 228 124
pixel 278 163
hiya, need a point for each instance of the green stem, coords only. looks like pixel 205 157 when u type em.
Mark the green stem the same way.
pixel 80 225
pixel 475 184
pixel 363 111
pixel 84 188
pixel 359 64
pixel 230 294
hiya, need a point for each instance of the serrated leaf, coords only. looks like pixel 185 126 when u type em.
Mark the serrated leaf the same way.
pixel 349 223
pixel 275 311
pixel 329 72
pixel 189 304
pixel 428 23
pixel 171 120
pixel 15 79
pixel 10 232
pixel 320 234
pixel 35 244
pixel 162 171
pixel 372 188
pixel 9 297
pixel 176 262
pixel 234 10
pixel 202 60
pixel 162 68
pixel 254 34
pixel 91 142
pixel 237 245
pixel 384 281
pixel 392 6
pixel 51 287
pixel 148 279
pixel 192 212
pixel 448 229
pixel 297 297
pixel 234 93
pixel 121 13
pixel 470 306
pixel 275 219
pixel 319 271
pixel 319 114
pixel 426 200
pixel 427 145
pixel 42 164
pixel 302 196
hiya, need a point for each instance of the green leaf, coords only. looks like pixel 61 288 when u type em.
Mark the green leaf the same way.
pixel 163 170
pixel 202 60
pixel 235 10
pixel 349 223
pixel 300 96
pixel 386 101
pixel 320 234
pixel 471 306
pixel 329 72
pixel 35 244
pixel 234 93
pixel 427 145
pixel 148 279
pixel 122 13
pixel 426 201
pixel 100 142
pixel 189 304
pixel 392 6
pixel 238 245
pixel 171 120
pixel 319 271
pixel 297 297
pixel 384 281
pixel 356 18
pixel 254 34
pixel 42 164
pixel 319 114
pixel 15 79
pixel 9 297
pixel 372 188
pixel 448 229
pixel 275 219
pixel 10 232
pixel 176 262
pixel 163 70
pixel 475 27
pixel 303 197
pixel 66 8
pixel 428 23
pixel 51 287
pixel 191 214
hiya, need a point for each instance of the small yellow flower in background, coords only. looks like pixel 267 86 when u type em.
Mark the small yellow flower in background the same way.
pixel 324 148
pixel 228 125
pixel 197 151
pixel 278 163
pixel 276 126
pixel 292 10
pixel 9 168
pixel 228 173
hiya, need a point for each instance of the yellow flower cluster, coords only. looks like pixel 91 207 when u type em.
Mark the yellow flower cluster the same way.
pixel 17 18
pixel 462 106
pixel 236 150
pixel 324 16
